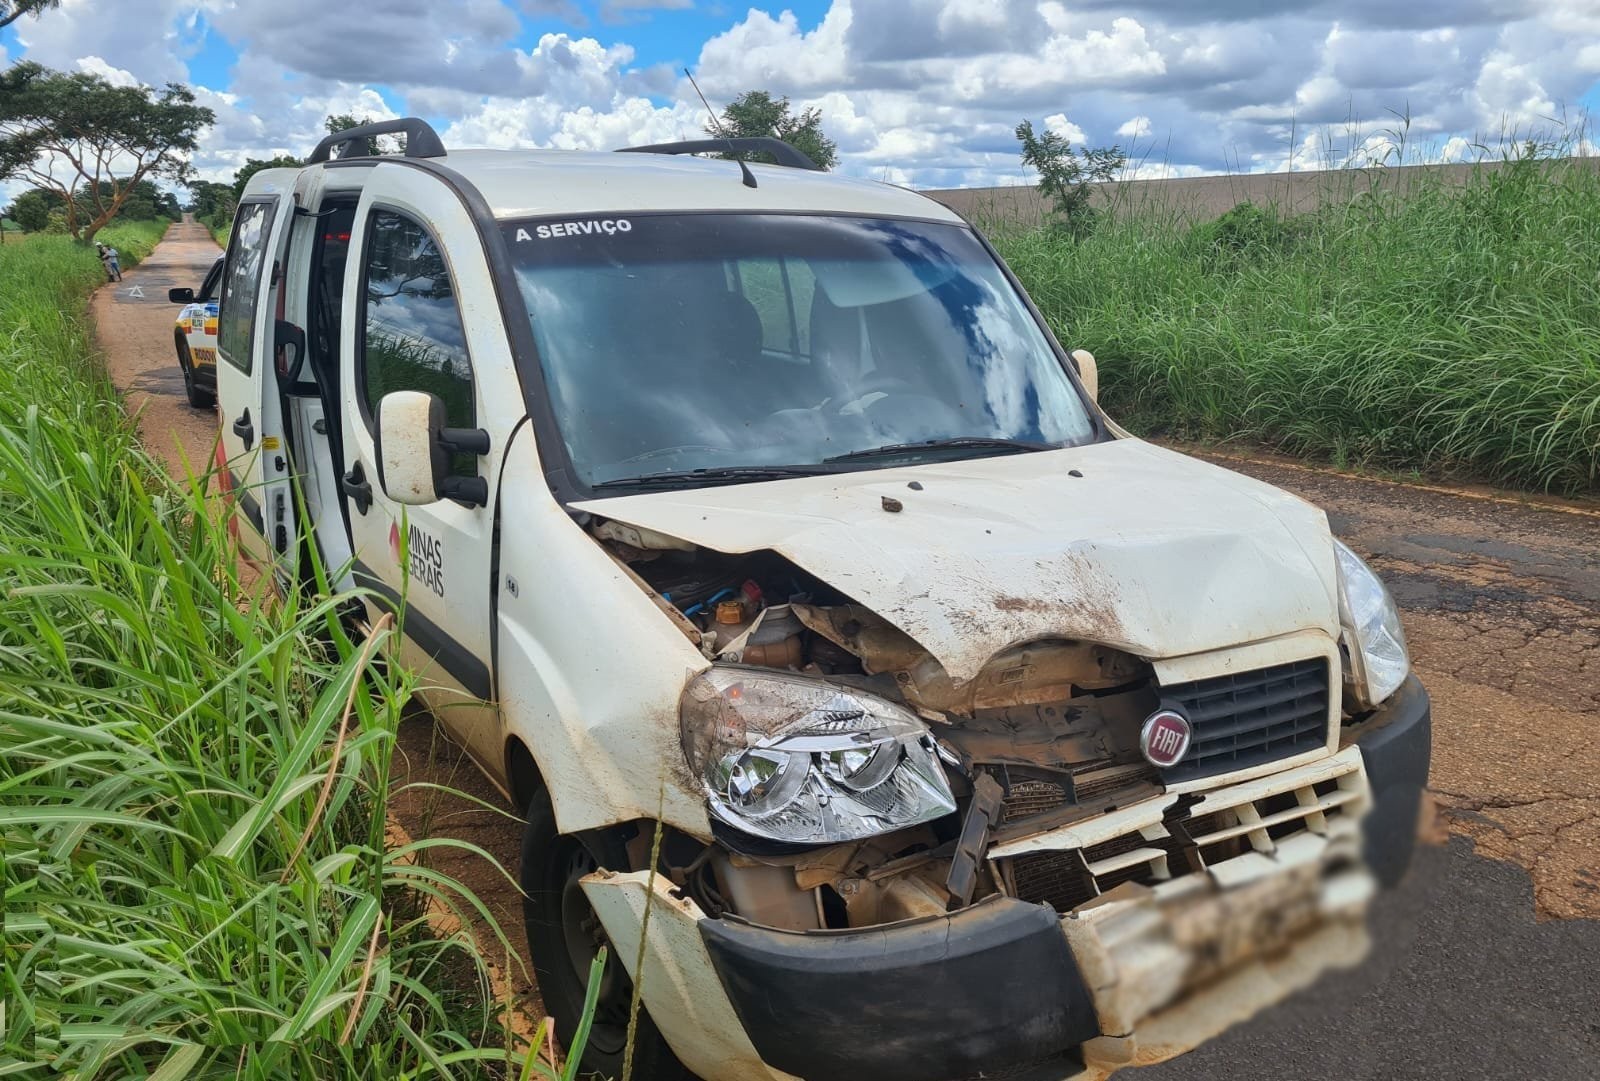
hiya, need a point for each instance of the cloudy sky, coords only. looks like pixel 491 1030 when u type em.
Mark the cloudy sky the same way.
pixel 924 92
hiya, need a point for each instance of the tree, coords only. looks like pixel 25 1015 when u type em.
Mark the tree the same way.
pixel 252 166
pixel 211 201
pixel 376 145
pixel 143 201
pixel 66 131
pixel 1065 174
pixel 31 209
pixel 757 113
pixel 12 10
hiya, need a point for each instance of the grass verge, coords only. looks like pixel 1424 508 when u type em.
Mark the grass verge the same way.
pixel 192 790
pixel 1455 331
pixel 219 232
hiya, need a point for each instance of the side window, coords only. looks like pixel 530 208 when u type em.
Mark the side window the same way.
pixel 781 291
pixel 241 282
pixel 414 339
pixel 208 288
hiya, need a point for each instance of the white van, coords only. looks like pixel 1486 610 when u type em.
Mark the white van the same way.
pixel 984 739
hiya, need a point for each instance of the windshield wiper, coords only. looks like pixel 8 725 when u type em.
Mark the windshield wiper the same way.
pixel 732 474
pixel 965 442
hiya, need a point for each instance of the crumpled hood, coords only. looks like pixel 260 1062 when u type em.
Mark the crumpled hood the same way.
pixel 1148 551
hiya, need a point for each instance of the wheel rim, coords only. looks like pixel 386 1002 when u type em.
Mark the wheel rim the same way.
pixel 584 936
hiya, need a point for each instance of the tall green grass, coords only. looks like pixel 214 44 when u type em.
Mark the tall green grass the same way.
pixel 220 226
pixel 1455 330
pixel 192 785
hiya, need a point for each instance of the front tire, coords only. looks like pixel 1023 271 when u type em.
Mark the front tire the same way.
pixel 199 397
pixel 564 934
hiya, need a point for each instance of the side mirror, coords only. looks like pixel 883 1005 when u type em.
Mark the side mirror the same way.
pixel 1088 372
pixel 413 449
pixel 184 295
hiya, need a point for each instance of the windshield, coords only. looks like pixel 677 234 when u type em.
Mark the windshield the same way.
pixel 724 342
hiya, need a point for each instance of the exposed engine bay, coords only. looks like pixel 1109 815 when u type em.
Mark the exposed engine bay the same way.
pixel 1048 734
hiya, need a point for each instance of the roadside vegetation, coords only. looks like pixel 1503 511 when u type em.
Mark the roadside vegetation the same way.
pixel 1454 331
pixel 197 873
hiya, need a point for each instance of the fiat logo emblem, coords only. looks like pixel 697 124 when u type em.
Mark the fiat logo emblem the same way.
pixel 1164 739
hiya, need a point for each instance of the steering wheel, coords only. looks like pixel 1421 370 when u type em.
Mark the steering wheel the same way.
pixel 884 386
pixel 883 383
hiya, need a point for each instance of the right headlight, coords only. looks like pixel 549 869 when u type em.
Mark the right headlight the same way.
pixel 1374 643
pixel 799 760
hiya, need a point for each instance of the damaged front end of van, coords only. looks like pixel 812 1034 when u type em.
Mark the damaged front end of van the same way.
pixel 981 797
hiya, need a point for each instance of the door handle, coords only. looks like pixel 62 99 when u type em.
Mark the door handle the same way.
pixel 357 487
pixel 245 429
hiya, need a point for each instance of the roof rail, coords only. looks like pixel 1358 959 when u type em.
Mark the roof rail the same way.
pixel 786 154
pixel 421 140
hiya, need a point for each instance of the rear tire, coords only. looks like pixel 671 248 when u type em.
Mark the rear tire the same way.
pixel 564 935
pixel 199 397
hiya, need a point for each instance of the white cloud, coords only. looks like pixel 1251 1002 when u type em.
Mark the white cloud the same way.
pixel 914 91
pixel 761 51
pixel 148 38
pixel 1160 170
pixel 1065 128
pixel 93 65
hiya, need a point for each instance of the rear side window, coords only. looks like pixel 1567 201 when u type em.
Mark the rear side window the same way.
pixel 414 339
pixel 241 282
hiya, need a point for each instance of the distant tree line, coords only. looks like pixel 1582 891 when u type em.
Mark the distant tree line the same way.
pixel 43 210
pixel 213 203
pixel 94 149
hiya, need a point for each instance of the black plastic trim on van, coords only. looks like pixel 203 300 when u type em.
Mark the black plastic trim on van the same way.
pixel 247 503
pixel 421 140
pixel 988 991
pixel 465 667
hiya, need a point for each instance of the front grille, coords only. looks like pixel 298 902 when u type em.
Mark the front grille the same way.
pixel 1248 718
pixel 1057 879
pixel 1029 797
pixel 1197 833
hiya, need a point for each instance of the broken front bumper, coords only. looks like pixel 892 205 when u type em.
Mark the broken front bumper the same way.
pixel 1007 988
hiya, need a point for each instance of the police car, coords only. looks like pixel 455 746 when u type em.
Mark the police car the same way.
pixel 195 337
pixel 761 508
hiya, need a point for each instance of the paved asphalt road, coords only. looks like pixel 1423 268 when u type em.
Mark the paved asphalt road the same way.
pixel 1502 606
pixel 1461 983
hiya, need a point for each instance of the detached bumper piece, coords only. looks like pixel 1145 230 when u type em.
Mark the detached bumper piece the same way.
pixel 1396 745
pixel 992 991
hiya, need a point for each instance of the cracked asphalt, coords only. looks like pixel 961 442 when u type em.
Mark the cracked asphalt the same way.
pixel 1487 959
pixel 1500 598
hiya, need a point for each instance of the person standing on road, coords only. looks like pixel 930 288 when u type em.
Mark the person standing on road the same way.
pixel 108 259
